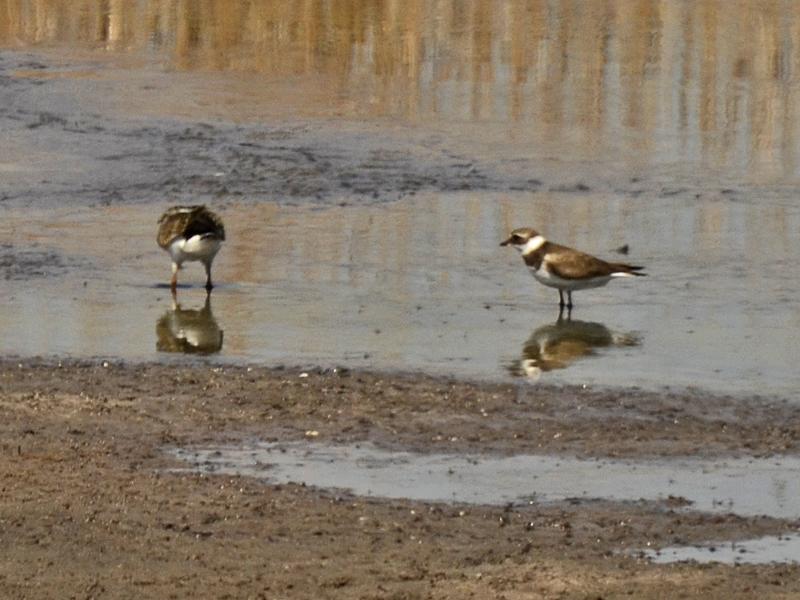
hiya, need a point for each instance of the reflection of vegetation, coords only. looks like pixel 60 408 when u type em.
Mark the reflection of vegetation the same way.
pixel 557 346
pixel 189 331
pixel 553 63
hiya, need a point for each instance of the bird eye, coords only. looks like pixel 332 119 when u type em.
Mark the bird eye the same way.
pixel 516 238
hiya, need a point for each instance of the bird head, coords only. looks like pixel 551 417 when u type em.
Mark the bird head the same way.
pixel 520 238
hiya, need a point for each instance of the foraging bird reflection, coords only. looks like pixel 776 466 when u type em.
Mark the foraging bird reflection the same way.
pixel 560 344
pixel 189 331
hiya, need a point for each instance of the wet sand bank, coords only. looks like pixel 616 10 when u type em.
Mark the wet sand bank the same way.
pixel 91 508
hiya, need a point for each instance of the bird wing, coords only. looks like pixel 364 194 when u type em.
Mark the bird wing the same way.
pixel 188 221
pixel 203 222
pixel 567 263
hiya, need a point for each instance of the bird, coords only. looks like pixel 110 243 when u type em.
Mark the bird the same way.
pixel 564 268
pixel 190 233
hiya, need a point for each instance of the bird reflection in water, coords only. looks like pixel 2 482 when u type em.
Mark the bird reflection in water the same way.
pixel 189 331
pixel 564 342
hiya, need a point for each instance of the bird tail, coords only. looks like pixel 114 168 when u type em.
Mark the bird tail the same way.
pixel 623 270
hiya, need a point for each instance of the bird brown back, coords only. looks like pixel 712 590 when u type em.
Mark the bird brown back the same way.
pixel 188 221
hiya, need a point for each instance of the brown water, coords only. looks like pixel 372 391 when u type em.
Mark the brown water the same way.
pixel 369 156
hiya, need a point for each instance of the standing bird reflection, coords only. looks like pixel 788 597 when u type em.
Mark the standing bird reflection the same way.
pixel 190 233
pixel 559 345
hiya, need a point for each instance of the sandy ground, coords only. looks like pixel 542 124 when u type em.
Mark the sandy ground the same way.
pixel 88 510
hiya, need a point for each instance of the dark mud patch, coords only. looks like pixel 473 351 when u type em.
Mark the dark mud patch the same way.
pixel 205 162
pixel 76 150
pixel 20 264
pixel 575 188
pixel 122 160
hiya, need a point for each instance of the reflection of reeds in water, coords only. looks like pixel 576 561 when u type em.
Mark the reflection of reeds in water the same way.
pixel 564 342
pixel 721 71
pixel 189 331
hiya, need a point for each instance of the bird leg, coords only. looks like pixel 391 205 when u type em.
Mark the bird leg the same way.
pixel 209 285
pixel 561 299
pixel 173 284
pixel 569 299
pixel 561 313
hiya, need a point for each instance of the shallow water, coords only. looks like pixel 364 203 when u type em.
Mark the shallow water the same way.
pixel 740 486
pixel 416 285
pixel 368 160
pixel 769 549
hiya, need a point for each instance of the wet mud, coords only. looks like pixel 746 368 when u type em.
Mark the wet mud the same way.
pixel 17 264
pixel 111 149
pixel 133 160
pixel 92 506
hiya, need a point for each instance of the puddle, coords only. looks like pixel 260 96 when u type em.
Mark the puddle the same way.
pixel 768 549
pixel 746 487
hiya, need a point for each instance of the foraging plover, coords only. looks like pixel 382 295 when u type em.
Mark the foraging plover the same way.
pixel 563 268
pixel 190 233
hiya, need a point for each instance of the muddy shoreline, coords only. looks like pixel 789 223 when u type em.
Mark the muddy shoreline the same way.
pixel 90 509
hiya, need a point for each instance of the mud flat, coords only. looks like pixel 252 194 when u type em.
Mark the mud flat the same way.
pixel 94 504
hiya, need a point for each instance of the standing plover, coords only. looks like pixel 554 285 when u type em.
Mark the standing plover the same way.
pixel 190 233
pixel 564 268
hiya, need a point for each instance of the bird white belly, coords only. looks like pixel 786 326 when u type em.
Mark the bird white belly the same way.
pixel 546 278
pixel 195 248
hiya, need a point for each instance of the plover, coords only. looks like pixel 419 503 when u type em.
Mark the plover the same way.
pixel 563 268
pixel 190 233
